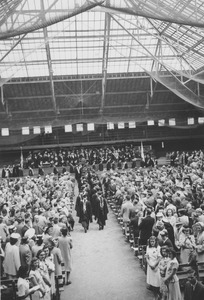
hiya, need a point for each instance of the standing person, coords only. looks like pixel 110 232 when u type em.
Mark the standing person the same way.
pixel 85 212
pixel 153 257
pixel 171 279
pixel 162 269
pixel 3 231
pixel 24 291
pixel 101 211
pixel 134 221
pixel 12 257
pixel 57 257
pixel 36 279
pixel 145 227
pixel 25 252
pixel 49 260
pixel 65 245
pixel 187 244
pixel 125 212
pixel 1 257
pixel 165 239
pixel 194 290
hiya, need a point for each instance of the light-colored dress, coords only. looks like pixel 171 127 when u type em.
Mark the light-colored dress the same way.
pixel 162 268
pixel 174 292
pixel 187 244
pixel 153 276
pixel 200 247
pixel 51 270
pixel 65 245
pixel 23 288
pixel 11 260
pixel 38 277
pixel 57 259
pixel 57 256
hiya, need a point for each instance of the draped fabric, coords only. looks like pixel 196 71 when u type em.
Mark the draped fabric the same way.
pixel 40 18
pixel 168 11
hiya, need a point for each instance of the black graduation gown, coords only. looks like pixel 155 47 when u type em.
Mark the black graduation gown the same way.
pixel 85 216
pixel 101 212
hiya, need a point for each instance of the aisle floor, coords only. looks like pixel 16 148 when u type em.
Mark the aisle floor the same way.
pixel 104 266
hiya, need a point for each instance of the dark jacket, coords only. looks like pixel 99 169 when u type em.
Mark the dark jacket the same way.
pixel 167 243
pixel 196 294
pixel 101 210
pixel 145 228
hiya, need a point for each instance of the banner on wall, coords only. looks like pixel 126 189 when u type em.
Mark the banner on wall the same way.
pixel 4 131
pixel 90 126
pixel 150 122
pixel 48 129
pixel 172 122
pixel 191 121
pixel 110 125
pixel 79 127
pixel 25 131
pixel 68 128
pixel 161 122
pixel 36 130
pixel 132 124
pixel 121 125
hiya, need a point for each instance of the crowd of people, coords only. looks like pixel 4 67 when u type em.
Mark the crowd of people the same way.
pixel 36 222
pixel 164 207
pixel 93 155
pixel 35 232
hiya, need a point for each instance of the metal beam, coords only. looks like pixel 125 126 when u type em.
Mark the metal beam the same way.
pixel 105 59
pixel 49 62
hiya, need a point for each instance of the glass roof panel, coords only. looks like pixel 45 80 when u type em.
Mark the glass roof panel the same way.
pixel 83 42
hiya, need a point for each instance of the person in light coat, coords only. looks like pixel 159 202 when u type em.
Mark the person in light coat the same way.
pixel 65 245
pixel 12 257
pixel 125 212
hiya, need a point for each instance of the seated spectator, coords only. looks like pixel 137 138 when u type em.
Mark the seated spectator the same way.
pixel 194 290
pixel 23 285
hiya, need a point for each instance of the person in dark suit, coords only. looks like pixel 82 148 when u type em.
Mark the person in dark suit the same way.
pixel 134 220
pixel 145 227
pixel 25 252
pixel 194 290
pixel 165 239
pixel 101 210
pixel 85 212
pixel 30 171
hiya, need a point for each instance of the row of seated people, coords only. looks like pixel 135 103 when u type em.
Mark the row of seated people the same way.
pixel 105 155
pixel 156 257
pixel 72 156
pixel 35 234
pixel 111 164
pixel 166 203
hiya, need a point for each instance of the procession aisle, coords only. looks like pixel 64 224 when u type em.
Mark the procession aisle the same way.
pixel 104 266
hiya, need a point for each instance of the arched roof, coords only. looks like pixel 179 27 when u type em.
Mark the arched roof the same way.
pixel 100 60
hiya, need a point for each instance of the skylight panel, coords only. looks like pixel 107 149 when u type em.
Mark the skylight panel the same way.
pixel 35 70
pixel 64 68
pixel 13 71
